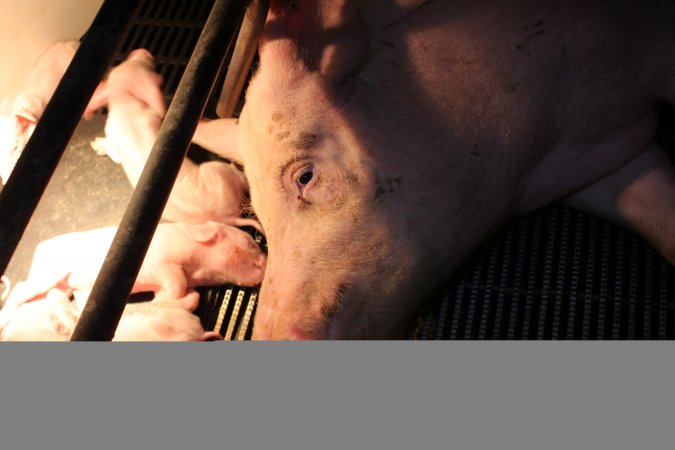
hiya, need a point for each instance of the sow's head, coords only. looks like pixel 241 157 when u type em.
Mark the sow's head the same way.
pixel 344 259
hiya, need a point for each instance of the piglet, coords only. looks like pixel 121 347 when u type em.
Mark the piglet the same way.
pixel 52 316
pixel 183 255
pixel 180 256
pixel 20 112
pixel 163 320
pixel 211 191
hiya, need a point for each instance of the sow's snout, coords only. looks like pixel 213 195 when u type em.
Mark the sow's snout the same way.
pixel 324 311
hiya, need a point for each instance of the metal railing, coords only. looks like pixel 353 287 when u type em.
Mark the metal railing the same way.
pixel 29 179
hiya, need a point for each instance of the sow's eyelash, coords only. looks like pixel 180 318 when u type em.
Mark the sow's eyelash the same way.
pixel 292 165
pixel 288 164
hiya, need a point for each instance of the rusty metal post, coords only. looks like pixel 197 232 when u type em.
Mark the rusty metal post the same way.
pixel 112 288
pixel 242 57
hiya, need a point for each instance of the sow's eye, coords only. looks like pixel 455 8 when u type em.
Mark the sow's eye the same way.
pixel 304 179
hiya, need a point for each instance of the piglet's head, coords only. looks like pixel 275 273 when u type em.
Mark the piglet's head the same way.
pixel 50 316
pixel 230 254
pixel 336 233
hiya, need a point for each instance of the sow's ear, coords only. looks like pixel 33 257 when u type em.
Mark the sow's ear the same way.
pixel 330 35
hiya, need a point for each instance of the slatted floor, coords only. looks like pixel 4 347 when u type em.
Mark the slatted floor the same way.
pixel 169 29
pixel 556 274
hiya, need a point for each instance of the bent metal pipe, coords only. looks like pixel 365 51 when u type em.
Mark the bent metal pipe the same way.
pixel 242 57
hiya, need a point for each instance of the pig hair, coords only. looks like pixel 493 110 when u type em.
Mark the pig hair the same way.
pixel 329 309
pixel 247 208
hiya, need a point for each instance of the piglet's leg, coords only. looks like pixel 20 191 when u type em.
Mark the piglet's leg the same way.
pixel 639 196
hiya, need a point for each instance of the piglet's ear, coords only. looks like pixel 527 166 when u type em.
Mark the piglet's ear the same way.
pixel 203 232
pixel 25 121
pixel 219 136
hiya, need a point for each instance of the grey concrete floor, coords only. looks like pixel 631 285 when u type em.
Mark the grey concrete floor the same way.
pixel 87 191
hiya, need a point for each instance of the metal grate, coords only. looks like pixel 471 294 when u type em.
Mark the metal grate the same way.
pixel 229 309
pixel 556 274
pixel 559 274
pixel 169 29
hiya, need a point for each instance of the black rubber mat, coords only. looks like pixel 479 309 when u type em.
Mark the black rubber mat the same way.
pixel 555 274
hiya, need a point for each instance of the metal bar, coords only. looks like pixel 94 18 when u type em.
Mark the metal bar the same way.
pixel 243 327
pixel 44 149
pixel 112 288
pixel 242 57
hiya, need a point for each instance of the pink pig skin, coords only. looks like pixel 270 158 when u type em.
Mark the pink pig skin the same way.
pixel 25 108
pixel 163 320
pixel 183 255
pixel 180 256
pixel 53 316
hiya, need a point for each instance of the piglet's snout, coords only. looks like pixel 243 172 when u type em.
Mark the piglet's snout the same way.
pixel 243 258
